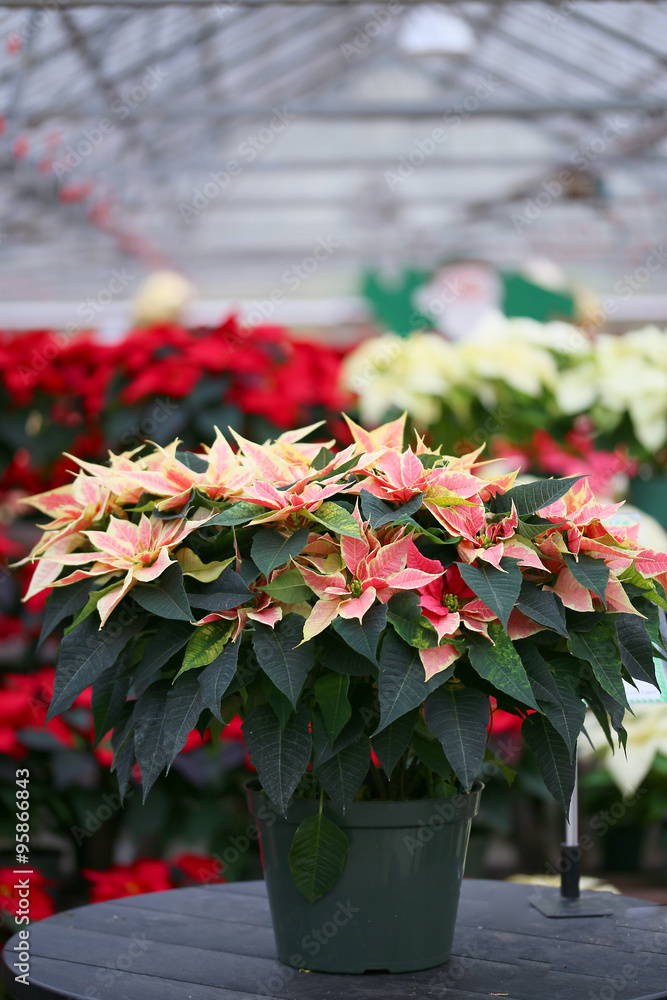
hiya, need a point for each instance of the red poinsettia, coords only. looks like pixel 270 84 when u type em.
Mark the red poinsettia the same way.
pixel 41 903
pixel 24 700
pixel 153 875
pixel 145 875
pixel 197 869
pixel 77 384
pixel 577 456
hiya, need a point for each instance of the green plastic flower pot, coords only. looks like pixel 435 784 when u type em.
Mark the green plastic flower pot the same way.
pixel 394 907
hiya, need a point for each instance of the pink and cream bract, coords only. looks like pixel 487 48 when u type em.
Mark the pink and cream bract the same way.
pixel 97 530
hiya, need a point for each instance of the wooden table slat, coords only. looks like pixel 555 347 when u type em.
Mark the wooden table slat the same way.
pixel 216 943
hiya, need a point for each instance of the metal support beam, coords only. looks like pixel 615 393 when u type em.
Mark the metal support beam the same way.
pixel 23 4
pixel 377 112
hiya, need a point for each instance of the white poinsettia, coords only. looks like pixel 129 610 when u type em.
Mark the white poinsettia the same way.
pixel 647 736
pixel 607 377
pixel 413 374
pixel 507 351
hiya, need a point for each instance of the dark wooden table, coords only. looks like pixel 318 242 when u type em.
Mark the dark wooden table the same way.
pixel 216 943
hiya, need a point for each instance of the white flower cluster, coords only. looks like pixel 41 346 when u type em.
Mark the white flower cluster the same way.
pixel 607 377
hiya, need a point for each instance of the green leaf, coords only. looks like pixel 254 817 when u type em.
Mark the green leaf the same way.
pixel 87 652
pixel 342 774
pixel 331 696
pixel 196 463
pixel 108 697
pixel 336 518
pixel 63 602
pixel 185 703
pixel 171 515
pixel 459 717
pixel 123 765
pixel 317 856
pixel 289 587
pixel 323 747
pixel 636 647
pixel 401 683
pixel 207 642
pixel 282 655
pixel 430 752
pixel 165 643
pixel 338 471
pixel 223 594
pixel 164 717
pixel 280 754
pixel 508 773
pixel 122 742
pixel 240 512
pixel 363 636
pixel 150 719
pixel 543 607
pixel 404 613
pixel 378 512
pixel 217 676
pixel 541 679
pixel 583 621
pixel 392 742
pixel 566 716
pixel 323 458
pixel 652 620
pixel 166 597
pixel 498 590
pixel 531 529
pixel 600 650
pixel 430 459
pixel 270 549
pixel 500 664
pixel 337 655
pixel 533 497
pixel 591 573
pixel 553 758
pixel 90 606
pixel 616 715
pixel 276 699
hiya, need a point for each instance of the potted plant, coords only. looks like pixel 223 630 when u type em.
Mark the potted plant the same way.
pixel 358 609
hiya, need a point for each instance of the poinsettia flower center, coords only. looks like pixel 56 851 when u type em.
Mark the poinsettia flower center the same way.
pixel 356 588
pixel 451 601
pixel 485 541
pixel 148 558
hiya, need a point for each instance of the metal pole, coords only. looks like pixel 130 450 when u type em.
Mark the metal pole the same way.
pixel 570 852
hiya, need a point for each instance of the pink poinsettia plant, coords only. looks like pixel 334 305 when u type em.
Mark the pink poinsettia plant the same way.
pixel 358 608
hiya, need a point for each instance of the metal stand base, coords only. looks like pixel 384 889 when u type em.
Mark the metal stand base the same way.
pixel 550 903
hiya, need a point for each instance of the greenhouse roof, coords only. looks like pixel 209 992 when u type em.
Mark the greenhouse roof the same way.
pixel 233 141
